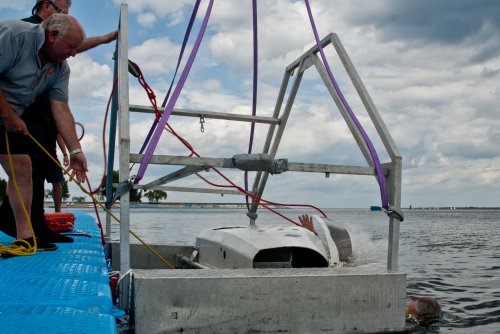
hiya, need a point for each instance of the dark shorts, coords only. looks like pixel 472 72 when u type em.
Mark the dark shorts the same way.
pixel 18 143
pixel 53 173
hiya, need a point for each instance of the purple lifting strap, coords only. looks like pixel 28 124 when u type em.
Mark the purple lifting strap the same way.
pixel 376 162
pixel 171 102
pixel 179 59
pixel 184 43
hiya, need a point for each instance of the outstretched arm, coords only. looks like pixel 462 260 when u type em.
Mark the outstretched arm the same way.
pixel 92 42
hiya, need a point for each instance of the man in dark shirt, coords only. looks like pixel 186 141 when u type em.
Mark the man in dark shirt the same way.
pixel 43 126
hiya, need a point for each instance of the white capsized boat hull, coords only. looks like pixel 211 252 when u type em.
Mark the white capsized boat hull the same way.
pixel 260 247
pixel 263 247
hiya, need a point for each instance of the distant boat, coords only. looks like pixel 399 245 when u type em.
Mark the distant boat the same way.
pixel 375 208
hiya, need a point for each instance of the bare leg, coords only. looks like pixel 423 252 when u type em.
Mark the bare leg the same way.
pixel 22 169
pixel 57 195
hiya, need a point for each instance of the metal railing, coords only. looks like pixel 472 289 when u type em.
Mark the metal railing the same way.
pixel 277 124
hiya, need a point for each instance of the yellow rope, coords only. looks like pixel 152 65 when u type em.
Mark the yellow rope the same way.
pixel 17 247
pixel 99 203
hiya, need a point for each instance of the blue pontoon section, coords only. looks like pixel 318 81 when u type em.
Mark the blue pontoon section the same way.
pixel 62 291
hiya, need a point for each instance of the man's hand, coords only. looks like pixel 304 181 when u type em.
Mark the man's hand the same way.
pixel 14 123
pixel 78 165
pixel 110 36
pixel 65 160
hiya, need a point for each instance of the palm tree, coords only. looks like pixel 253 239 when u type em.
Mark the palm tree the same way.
pixel 155 195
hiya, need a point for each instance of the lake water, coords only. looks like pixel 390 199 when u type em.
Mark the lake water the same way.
pixel 452 255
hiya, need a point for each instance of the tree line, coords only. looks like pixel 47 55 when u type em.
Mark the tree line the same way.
pixel 153 196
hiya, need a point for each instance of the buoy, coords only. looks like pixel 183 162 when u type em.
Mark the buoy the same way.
pixel 60 221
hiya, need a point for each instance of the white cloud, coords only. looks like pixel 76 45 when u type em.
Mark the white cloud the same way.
pixel 155 56
pixel 436 87
pixel 147 20
pixel 233 44
pixel 150 11
pixel 89 78
pixel 211 85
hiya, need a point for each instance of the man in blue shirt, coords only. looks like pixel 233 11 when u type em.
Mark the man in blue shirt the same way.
pixel 41 125
pixel 32 63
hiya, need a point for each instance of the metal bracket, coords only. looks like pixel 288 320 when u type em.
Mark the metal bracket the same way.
pixel 396 213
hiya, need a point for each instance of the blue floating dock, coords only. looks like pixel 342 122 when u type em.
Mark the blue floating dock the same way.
pixel 62 291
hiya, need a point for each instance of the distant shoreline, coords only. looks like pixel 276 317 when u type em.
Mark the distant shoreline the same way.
pixel 455 208
pixel 243 205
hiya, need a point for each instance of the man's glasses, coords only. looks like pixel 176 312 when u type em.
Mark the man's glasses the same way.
pixel 58 9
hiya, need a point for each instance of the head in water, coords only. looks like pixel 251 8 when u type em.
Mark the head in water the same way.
pixel 425 310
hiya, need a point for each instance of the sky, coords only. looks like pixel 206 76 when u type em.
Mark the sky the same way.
pixel 432 68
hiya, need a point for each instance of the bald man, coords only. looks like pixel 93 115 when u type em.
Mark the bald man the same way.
pixel 32 63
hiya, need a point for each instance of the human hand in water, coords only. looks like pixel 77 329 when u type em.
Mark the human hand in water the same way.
pixel 306 222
